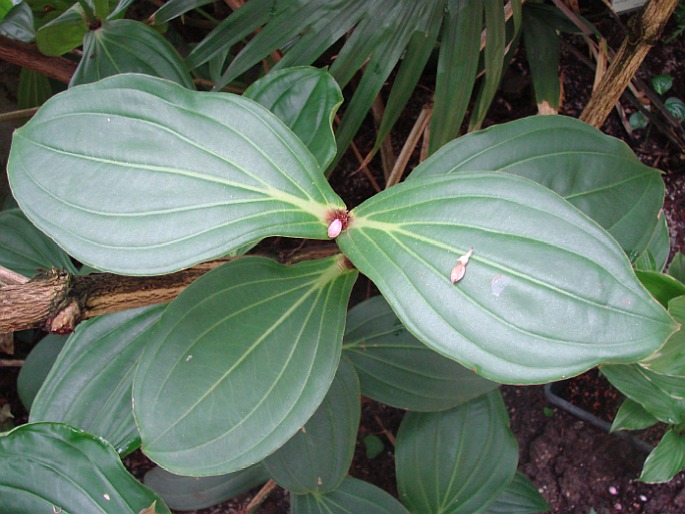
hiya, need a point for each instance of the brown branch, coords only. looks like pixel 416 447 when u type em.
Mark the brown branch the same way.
pixel 645 30
pixel 28 56
pixel 58 301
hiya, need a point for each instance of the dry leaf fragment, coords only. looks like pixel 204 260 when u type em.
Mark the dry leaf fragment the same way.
pixel 150 509
pixel 459 270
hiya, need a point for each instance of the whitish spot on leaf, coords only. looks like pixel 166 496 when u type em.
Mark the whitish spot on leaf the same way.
pixel 498 284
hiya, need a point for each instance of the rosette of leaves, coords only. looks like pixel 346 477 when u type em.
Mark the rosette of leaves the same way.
pixel 232 370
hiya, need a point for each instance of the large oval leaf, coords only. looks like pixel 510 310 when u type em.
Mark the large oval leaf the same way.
pixel 396 369
pixel 128 46
pixel 547 293
pixel 89 386
pixel 138 175
pixel 240 361
pixel 25 249
pixel 318 457
pixel 306 100
pixel 352 497
pixel 597 173
pixel 50 467
pixel 190 493
pixel 458 460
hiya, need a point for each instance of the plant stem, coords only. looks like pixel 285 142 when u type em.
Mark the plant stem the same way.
pixel 28 56
pixel 11 363
pixel 262 495
pixel 90 15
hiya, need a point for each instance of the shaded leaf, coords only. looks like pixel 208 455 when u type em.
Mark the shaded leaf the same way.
pixel 37 366
pixel 190 493
pixel 662 287
pixel 51 467
pixel 655 256
pixel 677 267
pixel 175 8
pixel 18 24
pixel 25 250
pixel 306 100
pixel 89 386
pixel 317 458
pixel 662 396
pixel 547 293
pixel 543 49
pixel 398 370
pixel 666 460
pixel 662 83
pixel 116 204
pixel 670 358
pixel 520 497
pixel 676 108
pixel 459 460
pixel 632 416
pixel 598 174
pixel 352 497
pixel 128 46
pixel 64 33
pixel 240 359
pixel 34 89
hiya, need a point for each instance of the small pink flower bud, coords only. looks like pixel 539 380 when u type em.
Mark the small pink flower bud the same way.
pixel 459 270
pixel 335 228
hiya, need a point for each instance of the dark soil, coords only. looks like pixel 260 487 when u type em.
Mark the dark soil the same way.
pixel 575 466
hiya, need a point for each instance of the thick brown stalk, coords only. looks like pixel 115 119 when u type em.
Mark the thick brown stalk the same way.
pixel 28 56
pixel 645 30
pixel 57 301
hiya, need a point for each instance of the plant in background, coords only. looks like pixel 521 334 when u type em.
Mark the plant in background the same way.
pixel 672 105
pixel 254 372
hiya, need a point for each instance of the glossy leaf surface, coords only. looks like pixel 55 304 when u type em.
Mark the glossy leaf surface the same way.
pixel 128 46
pixel 546 294
pixel 240 360
pixel 191 493
pixel 520 497
pixel 352 497
pixel 89 386
pixel 25 250
pixel 317 458
pixel 396 369
pixel 306 100
pixel 50 467
pixel 662 396
pixel 670 358
pixel 666 460
pixel 37 366
pixel 124 202
pixel 454 461
pixel 598 174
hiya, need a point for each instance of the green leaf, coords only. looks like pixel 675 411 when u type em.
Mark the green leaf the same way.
pixel 662 83
pixel 254 341
pixel 318 457
pixel 37 366
pixel 352 497
pixel 543 49
pixel 5 7
pixel 34 89
pixel 547 294
pixel 50 467
pixel 128 46
pixel 454 461
pixel 662 287
pixel 520 497
pixel 670 358
pixel 18 24
pixel 632 416
pixel 396 369
pixel 374 446
pixel 666 460
pixel 457 68
pixel 662 396
pixel 191 493
pixel 175 8
pixel 25 250
pixel 493 58
pixel 637 121
pixel 64 33
pixel 676 108
pixel 677 267
pixel 598 174
pixel 306 100
pixel 116 203
pixel 655 256
pixel 89 387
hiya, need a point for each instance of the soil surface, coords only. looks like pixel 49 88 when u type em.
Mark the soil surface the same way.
pixel 575 466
